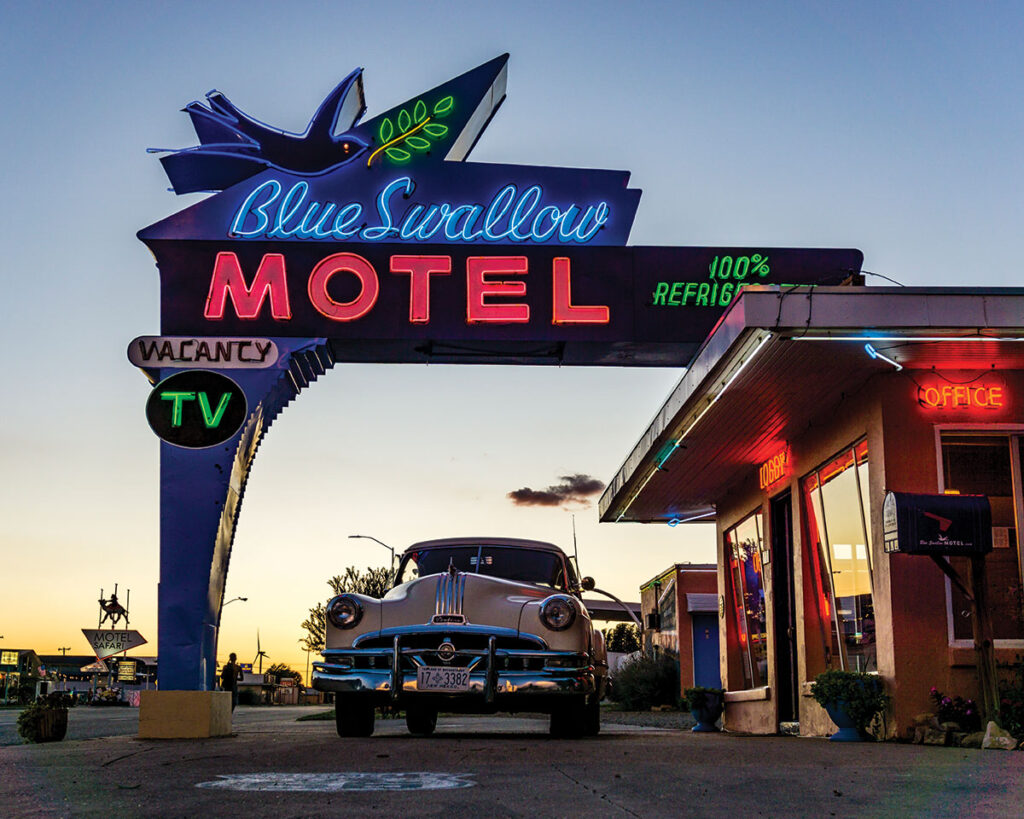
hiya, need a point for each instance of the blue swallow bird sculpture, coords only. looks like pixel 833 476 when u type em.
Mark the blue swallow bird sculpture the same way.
pixel 234 146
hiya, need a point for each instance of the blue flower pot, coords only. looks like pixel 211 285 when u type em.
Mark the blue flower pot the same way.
pixel 708 714
pixel 848 731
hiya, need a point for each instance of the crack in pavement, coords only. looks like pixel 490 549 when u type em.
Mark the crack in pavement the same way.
pixel 603 796
pixel 124 756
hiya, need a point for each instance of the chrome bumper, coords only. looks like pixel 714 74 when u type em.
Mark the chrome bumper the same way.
pixel 564 673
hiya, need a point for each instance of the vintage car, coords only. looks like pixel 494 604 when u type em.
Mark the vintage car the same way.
pixel 472 625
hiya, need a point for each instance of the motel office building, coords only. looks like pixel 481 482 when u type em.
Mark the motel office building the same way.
pixel 801 410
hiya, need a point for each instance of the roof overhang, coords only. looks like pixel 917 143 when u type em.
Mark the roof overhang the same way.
pixel 747 390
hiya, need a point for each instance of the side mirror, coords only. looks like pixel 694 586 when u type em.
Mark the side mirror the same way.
pixel 587 584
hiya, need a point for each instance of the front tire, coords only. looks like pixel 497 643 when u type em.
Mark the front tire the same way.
pixel 569 721
pixel 592 717
pixel 420 721
pixel 353 716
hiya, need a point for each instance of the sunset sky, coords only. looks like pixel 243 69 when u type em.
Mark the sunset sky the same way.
pixel 893 128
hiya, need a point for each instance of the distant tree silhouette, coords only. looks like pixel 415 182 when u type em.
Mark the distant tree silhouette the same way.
pixel 625 637
pixel 371 582
pixel 282 670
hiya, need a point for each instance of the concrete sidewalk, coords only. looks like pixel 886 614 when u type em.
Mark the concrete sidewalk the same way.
pixel 499 766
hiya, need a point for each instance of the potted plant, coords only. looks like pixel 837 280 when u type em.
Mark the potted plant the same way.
pixel 44 720
pixel 706 706
pixel 852 700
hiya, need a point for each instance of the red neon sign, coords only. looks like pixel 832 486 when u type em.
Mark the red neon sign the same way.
pixel 369 287
pixel 420 269
pixel 488 300
pixel 774 469
pixel 228 282
pixel 962 396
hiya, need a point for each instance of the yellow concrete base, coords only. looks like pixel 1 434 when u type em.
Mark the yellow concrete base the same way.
pixel 184 714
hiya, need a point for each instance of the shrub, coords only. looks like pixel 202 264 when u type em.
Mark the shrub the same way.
pixel 697 697
pixel 644 682
pixel 956 709
pixel 862 696
pixel 1011 700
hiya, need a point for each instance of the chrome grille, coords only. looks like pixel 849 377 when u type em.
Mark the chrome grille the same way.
pixel 451 592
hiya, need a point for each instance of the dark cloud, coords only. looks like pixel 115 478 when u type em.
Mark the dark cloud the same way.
pixel 573 489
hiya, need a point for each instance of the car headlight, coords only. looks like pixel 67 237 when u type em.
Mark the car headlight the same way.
pixel 345 611
pixel 558 612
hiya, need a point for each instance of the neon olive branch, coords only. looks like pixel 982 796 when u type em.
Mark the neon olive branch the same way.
pixel 398 138
pixel 407 130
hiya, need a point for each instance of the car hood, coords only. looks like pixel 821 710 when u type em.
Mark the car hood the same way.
pixel 452 601
pixel 448 598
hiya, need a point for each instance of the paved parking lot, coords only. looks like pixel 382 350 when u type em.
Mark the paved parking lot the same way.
pixel 499 766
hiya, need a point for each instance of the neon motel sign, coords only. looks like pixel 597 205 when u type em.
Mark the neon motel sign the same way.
pixel 487 279
pixel 378 241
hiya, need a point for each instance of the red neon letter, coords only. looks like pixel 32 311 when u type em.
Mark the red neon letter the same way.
pixel 228 281
pixel 563 311
pixel 420 268
pixel 478 288
pixel 343 310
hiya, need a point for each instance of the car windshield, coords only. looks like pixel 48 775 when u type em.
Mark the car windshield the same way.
pixel 511 563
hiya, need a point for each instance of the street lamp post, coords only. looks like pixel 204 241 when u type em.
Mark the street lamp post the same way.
pixel 382 543
pixel 233 599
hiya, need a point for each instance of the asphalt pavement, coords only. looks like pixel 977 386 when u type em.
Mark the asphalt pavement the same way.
pixel 499 766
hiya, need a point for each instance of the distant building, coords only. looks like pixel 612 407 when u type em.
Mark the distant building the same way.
pixel 680 617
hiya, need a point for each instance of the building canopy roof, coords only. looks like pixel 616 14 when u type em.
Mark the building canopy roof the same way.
pixel 776 360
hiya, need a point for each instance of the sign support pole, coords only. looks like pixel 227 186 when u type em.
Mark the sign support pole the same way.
pixel 981 627
pixel 200 499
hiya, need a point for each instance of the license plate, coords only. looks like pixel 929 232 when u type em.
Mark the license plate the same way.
pixel 441 678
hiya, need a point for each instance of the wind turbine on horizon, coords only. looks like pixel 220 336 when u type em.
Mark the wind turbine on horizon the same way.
pixel 260 653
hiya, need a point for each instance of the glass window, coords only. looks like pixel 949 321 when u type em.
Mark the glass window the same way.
pixel 510 562
pixel 667 609
pixel 983 465
pixel 743 544
pixel 838 536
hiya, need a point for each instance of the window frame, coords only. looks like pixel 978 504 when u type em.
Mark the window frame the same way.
pixel 865 527
pixel 728 554
pixel 1012 431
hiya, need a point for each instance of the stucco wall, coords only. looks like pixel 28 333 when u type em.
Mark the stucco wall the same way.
pixel 913 651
